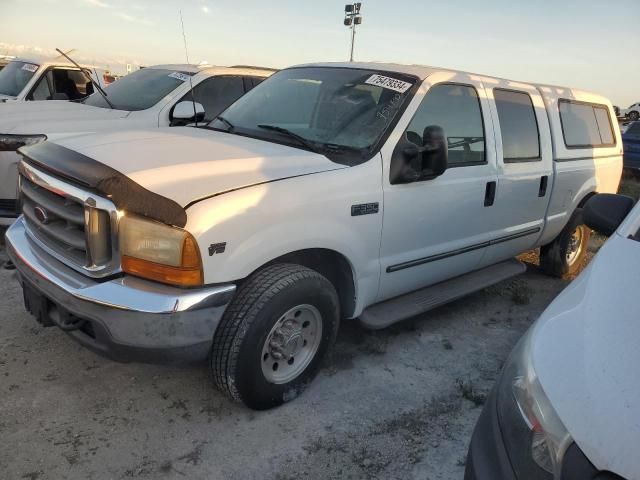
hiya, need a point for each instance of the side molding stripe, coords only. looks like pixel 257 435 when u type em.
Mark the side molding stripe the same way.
pixel 459 251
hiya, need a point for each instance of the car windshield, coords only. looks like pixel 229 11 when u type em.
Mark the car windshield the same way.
pixel 335 111
pixel 14 76
pixel 140 90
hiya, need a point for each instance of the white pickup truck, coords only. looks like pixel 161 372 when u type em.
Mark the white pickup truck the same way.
pixel 28 80
pixel 329 192
pixel 158 96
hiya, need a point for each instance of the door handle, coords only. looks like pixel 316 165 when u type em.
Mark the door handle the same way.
pixel 544 180
pixel 489 194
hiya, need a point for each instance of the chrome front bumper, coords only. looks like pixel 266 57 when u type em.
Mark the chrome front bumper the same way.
pixel 125 318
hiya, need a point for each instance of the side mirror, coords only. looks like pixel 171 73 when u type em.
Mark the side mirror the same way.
pixel 183 113
pixel 436 157
pixel 604 212
pixel 414 162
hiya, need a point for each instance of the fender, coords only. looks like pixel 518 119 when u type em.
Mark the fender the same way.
pixel 264 222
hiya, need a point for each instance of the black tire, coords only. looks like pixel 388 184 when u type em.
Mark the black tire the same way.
pixel 634 116
pixel 553 257
pixel 236 354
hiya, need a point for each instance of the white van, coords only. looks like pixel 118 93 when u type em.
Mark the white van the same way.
pixel 328 192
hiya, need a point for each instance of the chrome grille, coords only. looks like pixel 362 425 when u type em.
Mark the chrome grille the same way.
pixel 75 226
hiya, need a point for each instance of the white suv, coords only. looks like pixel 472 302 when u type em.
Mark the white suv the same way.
pixel 158 96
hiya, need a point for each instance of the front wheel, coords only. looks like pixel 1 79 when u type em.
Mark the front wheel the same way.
pixel 274 334
pixel 565 255
pixel 634 116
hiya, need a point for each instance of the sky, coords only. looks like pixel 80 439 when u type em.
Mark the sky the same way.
pixel 589 44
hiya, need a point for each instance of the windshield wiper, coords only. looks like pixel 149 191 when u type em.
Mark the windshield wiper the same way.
pixel 231 126
pixel 301 140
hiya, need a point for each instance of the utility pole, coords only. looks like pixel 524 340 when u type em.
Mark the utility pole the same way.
pixel 352 18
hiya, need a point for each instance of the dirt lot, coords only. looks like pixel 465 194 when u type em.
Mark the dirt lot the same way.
pixel 394 404
pixel 400 403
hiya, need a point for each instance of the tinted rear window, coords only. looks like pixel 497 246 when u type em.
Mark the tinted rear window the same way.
pixel 585 125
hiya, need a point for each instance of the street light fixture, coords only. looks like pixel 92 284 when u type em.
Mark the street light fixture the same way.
pixel 352 18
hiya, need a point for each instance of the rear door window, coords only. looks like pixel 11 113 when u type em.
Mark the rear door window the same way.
pixel 518 126
pixel 585 125
pixel 216 94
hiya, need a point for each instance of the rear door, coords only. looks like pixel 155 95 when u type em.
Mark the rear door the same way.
pixel 435 229
pixel 524 168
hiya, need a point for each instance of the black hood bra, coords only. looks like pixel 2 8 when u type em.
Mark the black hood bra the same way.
pixel 103 180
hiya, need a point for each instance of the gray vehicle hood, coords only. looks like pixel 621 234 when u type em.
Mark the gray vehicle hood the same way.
pixel 586 352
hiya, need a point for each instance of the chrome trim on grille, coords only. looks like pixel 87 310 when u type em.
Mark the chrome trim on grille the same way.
pixel 97 254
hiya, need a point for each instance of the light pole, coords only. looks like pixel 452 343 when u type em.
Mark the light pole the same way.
pixel 352 18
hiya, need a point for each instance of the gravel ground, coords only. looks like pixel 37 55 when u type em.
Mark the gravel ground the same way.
pixel 399 403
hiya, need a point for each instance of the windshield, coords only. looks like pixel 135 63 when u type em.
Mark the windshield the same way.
pixel 139 90
pixel 15 76
pixel 335 111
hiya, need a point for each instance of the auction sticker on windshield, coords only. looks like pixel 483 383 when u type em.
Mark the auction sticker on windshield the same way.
pixel 179 76
pixel 29 67
pixel 389 83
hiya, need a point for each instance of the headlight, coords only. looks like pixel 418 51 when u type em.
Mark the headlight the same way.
pixel 159 252
pixel 11 143
pixel 539 434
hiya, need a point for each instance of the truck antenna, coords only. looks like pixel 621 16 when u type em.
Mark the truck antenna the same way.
pixel 95 84
pixel 186 53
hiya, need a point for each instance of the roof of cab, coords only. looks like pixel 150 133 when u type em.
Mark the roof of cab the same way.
pixel 212 69
pixel 419 71
pixel 423 71
pixel 49 63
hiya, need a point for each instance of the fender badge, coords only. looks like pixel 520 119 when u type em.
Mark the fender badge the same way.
pixel 364 209
pixel 217 248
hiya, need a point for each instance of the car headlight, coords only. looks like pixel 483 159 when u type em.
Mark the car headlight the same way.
pixel 156 251
pixel 536 437
pixel 11 143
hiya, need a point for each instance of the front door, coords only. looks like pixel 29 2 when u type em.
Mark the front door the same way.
pixel 435 229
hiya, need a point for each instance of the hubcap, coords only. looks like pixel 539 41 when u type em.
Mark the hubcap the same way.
pixel 291 344
pixel 575 245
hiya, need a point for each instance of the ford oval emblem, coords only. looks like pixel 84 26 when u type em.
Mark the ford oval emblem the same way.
pixel 41 215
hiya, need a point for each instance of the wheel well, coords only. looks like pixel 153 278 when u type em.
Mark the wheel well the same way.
pixel 584 200
pixel 334 267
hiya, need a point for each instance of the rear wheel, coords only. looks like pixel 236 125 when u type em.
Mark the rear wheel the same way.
pixel 634 116
pixel 271 340
pixel 564 256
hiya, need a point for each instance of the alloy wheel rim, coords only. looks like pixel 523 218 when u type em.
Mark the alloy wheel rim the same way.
pixel 575 245
pixel 291 344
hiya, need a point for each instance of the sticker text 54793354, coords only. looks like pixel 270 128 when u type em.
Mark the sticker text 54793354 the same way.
pixel 30 67
pixel 389 83
pixel 179 76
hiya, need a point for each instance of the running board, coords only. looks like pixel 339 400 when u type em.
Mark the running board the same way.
pixel 386 313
